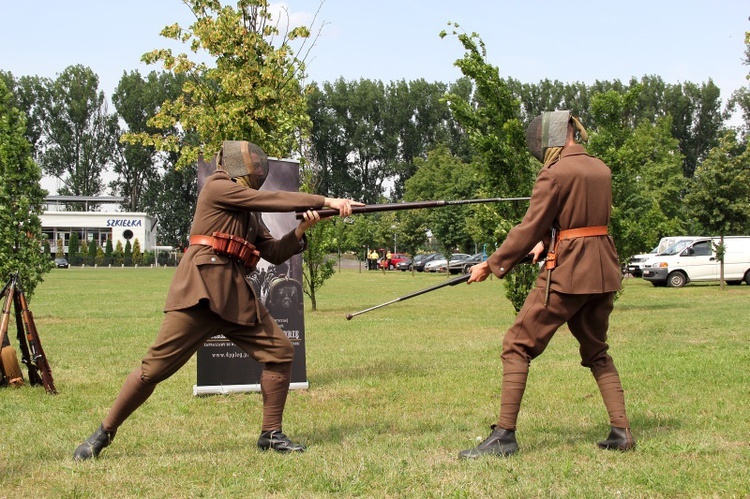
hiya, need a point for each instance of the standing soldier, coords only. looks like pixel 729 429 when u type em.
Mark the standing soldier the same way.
pixel 571 200
pixel 211 295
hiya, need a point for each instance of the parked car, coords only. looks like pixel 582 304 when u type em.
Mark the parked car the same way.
pixel 697 261
pixel 440 265
pixel 411 262
pixel 419 265
pixel 455 267
pixel 396 258
pixel 61 263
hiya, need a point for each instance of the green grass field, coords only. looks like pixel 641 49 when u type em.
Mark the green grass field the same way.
pixel 394 395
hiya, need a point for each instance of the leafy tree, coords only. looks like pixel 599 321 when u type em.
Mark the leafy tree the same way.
pixel 21 201
pixel 127 256
pixel 137 253
pixel 137 100
pixel 30 94
pixel 172 200
pixel 443 176
pixel 741 97
pixel 720 190
pixel 252 92
pixel 493 124
pixel 108 252
pixel 100 258
pixel 646 165
pixel 78 134
pixel 91 259
pixel 366 135
pixel 74 257
pixel 118 254
pixel 316 267
pixel 84 252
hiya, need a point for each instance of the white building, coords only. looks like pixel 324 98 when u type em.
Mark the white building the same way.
pixel 95 226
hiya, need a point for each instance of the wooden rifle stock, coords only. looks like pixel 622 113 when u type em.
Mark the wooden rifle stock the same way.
pixel 35 345
pixel 371 208
pixel 31 346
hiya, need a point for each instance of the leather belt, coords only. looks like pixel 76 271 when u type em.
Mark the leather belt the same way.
pixel 594 230
pixel 201 239
pixel 568 234
pixel 233 246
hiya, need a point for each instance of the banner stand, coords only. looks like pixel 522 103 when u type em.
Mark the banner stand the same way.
pixel 223 367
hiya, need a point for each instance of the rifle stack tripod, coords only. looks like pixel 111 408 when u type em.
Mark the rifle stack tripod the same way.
pixel 32 354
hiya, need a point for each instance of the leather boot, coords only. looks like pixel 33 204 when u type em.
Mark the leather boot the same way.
pixel 276 440
pixel 618 439
pixel 501 442
pixel 92 446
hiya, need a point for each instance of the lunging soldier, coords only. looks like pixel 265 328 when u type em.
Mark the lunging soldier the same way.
pixel 211 295
pixel 570 207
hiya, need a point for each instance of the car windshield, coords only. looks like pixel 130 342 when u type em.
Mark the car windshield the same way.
pixel 675 248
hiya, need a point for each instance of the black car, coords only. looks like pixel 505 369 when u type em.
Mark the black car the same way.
pixel 404 265
pixel 463 266
pixel 419 265
pixel 61 263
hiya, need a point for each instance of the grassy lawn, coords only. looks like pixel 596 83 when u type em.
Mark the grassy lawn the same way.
pixel 394 395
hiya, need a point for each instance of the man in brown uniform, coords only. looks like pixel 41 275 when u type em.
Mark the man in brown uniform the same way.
pixel 571 199
pixel 211 295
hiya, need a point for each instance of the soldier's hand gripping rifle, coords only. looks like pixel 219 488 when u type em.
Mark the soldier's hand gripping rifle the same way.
pixel 370 208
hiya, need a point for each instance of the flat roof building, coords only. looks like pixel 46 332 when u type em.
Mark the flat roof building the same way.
pixel 59 224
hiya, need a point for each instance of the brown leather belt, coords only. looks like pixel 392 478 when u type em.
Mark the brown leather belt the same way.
pixel 594 230
pixel 233 246
pixel 567 234
pixel 201 239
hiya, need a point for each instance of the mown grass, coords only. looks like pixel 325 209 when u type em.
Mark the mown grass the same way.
pixel 394 395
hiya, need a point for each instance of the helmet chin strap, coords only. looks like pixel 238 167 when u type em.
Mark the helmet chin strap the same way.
pixel 244 180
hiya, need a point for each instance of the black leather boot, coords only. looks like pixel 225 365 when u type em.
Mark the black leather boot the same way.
pixel 618 439
pixel 92 446
pixel 276 440
pixel 501 442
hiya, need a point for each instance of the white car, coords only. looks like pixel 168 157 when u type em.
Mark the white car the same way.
pixel 441 264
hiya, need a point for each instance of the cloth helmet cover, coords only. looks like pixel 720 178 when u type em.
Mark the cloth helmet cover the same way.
pixel 240 158
pixel 549 129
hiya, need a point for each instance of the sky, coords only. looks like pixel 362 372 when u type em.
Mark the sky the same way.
pixel 389 40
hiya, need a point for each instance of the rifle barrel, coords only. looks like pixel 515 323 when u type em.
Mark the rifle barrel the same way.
pixel 370 208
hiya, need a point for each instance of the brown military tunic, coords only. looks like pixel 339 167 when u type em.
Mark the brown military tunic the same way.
pixel 225 206
pixel 576 191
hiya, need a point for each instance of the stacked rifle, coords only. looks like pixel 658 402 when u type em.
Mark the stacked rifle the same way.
pixel 32 354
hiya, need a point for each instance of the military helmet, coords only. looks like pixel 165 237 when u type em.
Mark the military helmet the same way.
pixel 240 158
pixel 549 129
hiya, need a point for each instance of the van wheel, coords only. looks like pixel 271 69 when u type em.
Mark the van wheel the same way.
pixel 747 277
pixel 676 279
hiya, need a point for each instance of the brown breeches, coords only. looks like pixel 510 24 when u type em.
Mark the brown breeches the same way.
pixel 181 334
pixel 587 317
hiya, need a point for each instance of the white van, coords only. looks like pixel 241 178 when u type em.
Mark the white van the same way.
pixel 696 261
pixel 637 262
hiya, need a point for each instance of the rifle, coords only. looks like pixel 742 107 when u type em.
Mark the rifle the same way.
pixel 370 208
pixel 452 282
pixel 31 346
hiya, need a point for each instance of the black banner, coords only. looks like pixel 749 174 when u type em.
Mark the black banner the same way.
pixel 222 366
